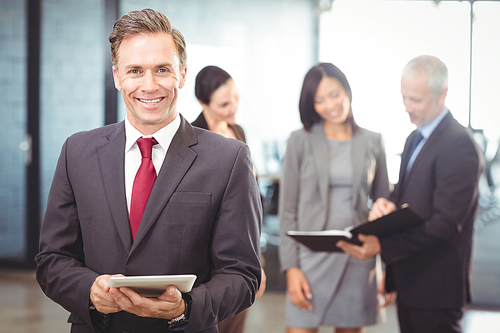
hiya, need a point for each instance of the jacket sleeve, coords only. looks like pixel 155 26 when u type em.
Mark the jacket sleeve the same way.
pixel 288 203
pixel 60 263
pixel 380 186
pixel 235 251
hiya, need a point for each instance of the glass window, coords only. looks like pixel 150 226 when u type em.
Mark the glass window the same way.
pixel 13 129
pixel 72 77
pixel 485 99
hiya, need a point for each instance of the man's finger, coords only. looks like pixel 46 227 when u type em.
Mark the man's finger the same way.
pixel 350 249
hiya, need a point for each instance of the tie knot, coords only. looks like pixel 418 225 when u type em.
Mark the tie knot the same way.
pixel 418 138
pixel 146 146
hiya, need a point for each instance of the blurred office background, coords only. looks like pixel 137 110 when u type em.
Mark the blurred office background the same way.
pixel 56 79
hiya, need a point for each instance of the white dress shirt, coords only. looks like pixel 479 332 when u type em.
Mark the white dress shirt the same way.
pixel 133 155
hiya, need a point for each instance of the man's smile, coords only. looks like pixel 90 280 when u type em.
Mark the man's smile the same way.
pixel 151 101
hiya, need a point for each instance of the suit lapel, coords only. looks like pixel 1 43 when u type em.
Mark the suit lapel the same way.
pixel 404 157
pixel 112 163
pixel 178 160
pixel 321 156
pixel 426 149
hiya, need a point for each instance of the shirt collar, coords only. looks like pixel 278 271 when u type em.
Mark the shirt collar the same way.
pixel 164 135
pixel 427 130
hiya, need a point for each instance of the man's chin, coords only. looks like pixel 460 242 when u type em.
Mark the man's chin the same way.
pixel 415 121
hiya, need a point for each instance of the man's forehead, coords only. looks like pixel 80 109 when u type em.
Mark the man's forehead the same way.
pixel 147 47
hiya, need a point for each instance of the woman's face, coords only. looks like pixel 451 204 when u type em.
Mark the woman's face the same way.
pixel 223 103
pixel 331 101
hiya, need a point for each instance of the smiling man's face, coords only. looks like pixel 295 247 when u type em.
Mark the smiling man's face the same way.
pixel 148 74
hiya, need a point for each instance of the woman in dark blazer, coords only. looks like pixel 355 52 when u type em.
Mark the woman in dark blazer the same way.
pixel 331 169
pixel 218 96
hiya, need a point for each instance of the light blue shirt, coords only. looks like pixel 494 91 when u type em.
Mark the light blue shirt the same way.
pixel 426 132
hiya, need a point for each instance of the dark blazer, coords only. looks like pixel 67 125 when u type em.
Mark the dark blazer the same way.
pixel 203 217
pixel 429 265
pixel 235 324
pixel 201 122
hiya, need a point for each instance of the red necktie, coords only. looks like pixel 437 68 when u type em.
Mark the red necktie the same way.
pixel 143 183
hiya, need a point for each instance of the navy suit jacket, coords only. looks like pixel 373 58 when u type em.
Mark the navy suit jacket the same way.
pixel 429 265
pixel 203 217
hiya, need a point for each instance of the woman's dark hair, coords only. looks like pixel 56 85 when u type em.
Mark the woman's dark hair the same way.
pixel 308 114
pixel 208 80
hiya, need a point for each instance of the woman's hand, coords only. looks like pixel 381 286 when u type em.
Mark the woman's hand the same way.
pixel 298 289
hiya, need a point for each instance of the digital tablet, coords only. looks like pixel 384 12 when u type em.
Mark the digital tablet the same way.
pixel 153 285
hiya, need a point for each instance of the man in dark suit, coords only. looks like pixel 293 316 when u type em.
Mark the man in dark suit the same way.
pixel 429 265
pixel 202 215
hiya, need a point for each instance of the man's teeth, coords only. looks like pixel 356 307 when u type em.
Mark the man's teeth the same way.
pixel 150 101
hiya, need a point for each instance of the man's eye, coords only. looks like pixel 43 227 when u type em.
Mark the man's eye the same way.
pixel 134 71
pixel 163 70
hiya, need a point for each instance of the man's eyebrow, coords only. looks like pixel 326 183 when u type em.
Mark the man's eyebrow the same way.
pixel 134 66
pixel 166 64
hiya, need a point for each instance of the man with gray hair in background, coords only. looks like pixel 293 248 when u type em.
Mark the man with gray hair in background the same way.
pixel 429 265
pixel 151 195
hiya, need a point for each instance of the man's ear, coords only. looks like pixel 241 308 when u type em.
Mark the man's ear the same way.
pixel 442 96
pixel 183 77
pixel 116 79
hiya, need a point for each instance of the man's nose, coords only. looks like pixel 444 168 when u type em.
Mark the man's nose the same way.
pixel 149 82
pixel 408 106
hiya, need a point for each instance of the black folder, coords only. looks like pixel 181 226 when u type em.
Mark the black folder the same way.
pixel 394 222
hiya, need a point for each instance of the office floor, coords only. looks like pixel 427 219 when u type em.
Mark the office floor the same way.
pixel 25 309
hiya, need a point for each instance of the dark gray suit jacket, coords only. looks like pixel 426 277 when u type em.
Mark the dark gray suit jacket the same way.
pixel 429 265
pixel 203 217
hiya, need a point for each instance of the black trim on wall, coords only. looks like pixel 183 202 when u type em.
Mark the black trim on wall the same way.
pixel 33 110
pixel 32 221
pixel 110 92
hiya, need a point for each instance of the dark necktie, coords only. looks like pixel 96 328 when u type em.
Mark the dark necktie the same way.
pixel 416 140
pixel 143 183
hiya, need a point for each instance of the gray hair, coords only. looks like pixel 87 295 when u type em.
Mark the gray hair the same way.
pixel 437 72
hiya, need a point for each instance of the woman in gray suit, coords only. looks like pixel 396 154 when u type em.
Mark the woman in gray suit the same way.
pixel 331 170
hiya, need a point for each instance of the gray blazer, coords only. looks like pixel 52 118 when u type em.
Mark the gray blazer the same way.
pixel 304 185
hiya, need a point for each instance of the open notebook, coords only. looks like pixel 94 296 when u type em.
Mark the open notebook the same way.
pixel 325 240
